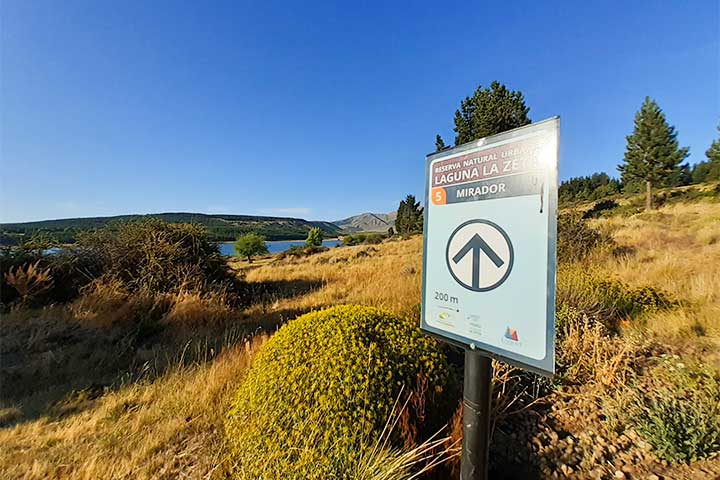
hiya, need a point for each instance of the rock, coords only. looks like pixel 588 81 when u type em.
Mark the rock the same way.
pixel 619 474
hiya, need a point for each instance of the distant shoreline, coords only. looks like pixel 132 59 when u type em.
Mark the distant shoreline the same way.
pixel 282 241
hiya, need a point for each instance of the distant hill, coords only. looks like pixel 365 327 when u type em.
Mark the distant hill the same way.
pixel 368 222
pixel 221 227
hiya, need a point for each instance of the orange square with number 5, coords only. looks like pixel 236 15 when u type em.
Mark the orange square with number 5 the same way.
pixel 438 196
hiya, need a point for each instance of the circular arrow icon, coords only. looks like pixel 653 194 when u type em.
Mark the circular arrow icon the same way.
pixel 479 255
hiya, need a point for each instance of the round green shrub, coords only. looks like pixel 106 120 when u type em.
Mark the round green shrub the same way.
pixel 323 387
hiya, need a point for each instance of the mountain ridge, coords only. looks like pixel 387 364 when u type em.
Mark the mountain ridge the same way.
pixel 367 222
pixel 222 227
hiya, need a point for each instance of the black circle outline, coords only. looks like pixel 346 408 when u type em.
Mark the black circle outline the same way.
pixel 511 261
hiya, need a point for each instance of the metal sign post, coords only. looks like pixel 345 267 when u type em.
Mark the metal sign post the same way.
pixel 489 263
pixel 477 401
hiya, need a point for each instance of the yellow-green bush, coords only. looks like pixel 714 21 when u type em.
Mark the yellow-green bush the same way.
pixel 604 298
pixel 323 387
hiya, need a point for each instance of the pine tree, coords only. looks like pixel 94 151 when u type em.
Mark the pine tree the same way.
pixel 439 144
pixel 652 153
pixel 488 112
pixel 409 216
pixel 713 156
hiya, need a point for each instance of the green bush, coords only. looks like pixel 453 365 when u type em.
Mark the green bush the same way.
pixel 601 208
pixel 299 251
pixel 677 410
pixel 576 239
pixel 606 299
pixel 324 386
pixel 362 239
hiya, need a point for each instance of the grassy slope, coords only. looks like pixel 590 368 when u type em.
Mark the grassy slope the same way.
pixel 168 427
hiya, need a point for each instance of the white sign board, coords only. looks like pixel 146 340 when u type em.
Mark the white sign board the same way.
pixel 489 245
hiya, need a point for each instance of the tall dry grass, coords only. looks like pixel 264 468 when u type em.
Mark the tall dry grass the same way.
pixel 169 428
pixel 387 276
pixel 677 249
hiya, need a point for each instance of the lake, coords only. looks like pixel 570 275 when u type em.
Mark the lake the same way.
pixel 226 248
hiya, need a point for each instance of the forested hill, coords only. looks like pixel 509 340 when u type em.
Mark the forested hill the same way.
pixel 221 227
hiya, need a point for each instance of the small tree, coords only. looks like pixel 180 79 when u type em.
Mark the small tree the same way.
pixel 652 153
pixel 409 216
pixel 439 143
pixel 314 238
pixel 713 156
pixel 390 232
pixel 250 245
pixel 488 112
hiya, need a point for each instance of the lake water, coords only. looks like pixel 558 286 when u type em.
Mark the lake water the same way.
pixel 226 248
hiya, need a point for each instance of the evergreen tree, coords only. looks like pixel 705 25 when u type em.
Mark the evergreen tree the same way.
pixel 439 144
pixel 652 153
pixel 713 156
pixel 314 238
pixel 409 216
pixel 489 111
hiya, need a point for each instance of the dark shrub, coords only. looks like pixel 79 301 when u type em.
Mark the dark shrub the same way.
pixel 576 239
pixel 363 239
pixel 601 208
pixel 299 251
pixel 155 256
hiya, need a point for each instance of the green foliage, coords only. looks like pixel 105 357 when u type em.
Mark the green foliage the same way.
pixel 439 144
pixel 409 216
pixel 219 227
pixel 652 155
pixel 250 245
pixel 324 385
pixel 606 299
pixel 601 208
pixel 314 238
pixel 677 410
pixel 709 170
pixel 593 187
pixel 299 251
pixel 576 239
pixel 488 112
pixel 362 238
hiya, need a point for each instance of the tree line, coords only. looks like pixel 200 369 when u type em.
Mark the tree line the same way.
pixel 653 157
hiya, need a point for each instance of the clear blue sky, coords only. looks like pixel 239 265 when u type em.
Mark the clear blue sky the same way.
pixel 313 109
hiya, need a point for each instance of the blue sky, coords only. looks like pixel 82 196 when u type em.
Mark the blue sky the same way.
pixel 314 109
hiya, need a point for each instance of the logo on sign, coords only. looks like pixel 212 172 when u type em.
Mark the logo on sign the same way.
pixel 479 255
pixel 511 334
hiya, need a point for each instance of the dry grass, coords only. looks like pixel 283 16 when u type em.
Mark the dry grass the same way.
pixel 676 249
pixel 169 428
pixel 386 276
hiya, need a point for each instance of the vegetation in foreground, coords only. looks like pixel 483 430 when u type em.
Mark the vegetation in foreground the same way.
pixel 119 381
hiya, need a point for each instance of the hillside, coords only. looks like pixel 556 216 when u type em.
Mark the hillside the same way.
pixel 367 222
pixel 79 407
pixel 221 227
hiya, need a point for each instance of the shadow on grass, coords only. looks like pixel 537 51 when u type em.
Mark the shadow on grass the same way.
pixel 52 365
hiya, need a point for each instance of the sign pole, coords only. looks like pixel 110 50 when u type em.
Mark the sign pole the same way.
pixel 477 398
